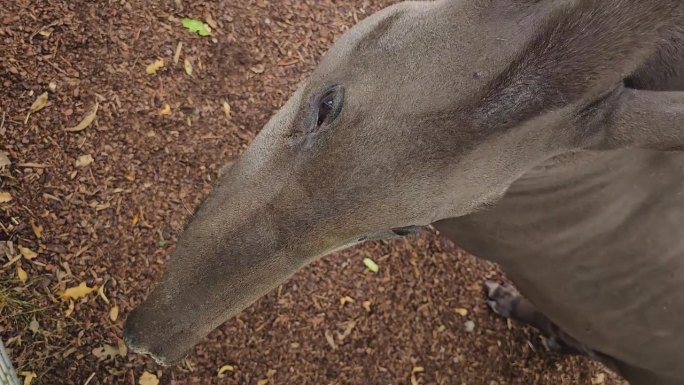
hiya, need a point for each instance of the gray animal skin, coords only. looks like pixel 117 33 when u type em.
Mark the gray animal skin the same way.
pixel 544 135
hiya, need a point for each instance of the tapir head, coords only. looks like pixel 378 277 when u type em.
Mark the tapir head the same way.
pixel 414 115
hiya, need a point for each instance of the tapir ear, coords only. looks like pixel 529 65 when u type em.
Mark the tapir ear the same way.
pixel 583 48
pixel 643 119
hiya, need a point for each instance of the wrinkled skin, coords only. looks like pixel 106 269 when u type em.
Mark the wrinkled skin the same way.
pixel 442 107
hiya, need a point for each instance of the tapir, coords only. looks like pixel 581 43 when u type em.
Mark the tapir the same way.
pixel 544 135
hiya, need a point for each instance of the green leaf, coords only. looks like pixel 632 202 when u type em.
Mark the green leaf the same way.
pixel 162 243
pixel 196 26
pixel 371 265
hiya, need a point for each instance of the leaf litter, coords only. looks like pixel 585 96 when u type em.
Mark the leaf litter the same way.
pixel 86 121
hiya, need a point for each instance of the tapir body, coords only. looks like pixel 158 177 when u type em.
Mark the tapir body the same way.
pixel 545 135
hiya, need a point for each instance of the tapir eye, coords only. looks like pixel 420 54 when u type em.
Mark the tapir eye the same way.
pixel 329 105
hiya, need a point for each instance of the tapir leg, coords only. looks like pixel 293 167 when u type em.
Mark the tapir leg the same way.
pixel 506 301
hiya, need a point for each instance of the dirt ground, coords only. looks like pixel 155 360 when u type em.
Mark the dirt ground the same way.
pixel 156 144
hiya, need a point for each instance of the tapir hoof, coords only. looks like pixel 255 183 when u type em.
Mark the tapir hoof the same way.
pixel 502 298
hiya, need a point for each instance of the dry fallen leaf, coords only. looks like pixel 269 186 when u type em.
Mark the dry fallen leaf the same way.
pixel 461 311
pixel 21 274
pixel 106 352
pixel 39 103
pixel 367 305
pixel 123 349
pixel 148 379
pixel 166 110
pixel 37 229
pixel 210 20
pixel 77 292
pixel 84 160
pixel 188 66
pixel 600 379
pixel 177 54
pixel 225 368
pixel 347 331
pixel 5 197
pixel 28 377
pixel 345 300
pixel 330 339
pixel 114 313
pixel 70 309
pixel 258 69
pixel 4 159
pixel 470 326
pixel 27 253
pixel 87 120
pixel 226 109
pixel 101 292
pixel 418 369
pixel 269 376
pixel 155 66
pixel 34 326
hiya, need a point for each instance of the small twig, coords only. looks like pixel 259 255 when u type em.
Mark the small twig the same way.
pixel 89 379
pixel 2 124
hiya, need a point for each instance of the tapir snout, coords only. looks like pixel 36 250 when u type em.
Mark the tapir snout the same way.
pixel 511 126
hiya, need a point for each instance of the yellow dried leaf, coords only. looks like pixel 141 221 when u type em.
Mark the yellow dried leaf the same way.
pixel 188 66
pixel 87 120
pixel 5 197
pixel 155 66
pixel 84 160
pixel 21 274
pixel 414 380
pixel 262 382
pixel 39 103
pixel 166 110
pixel 27 253
pixel 226 109
pixel 136 218
pixel 123 349
pixel 225 368
pixel 101 292
pixel 330 339
pixel 367 305
pixel 34 326
pixel 70 309
pixel 176 55
pixel 461 311
pixel 106 352
pixel 346 299
pixel 417 369
pixel 114 313
pixel 77 292
pixel 37 229
pixel 148 379
pixel 600 379
pixel 28 377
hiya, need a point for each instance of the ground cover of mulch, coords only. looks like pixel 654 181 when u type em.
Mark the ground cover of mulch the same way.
pixel 101 206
